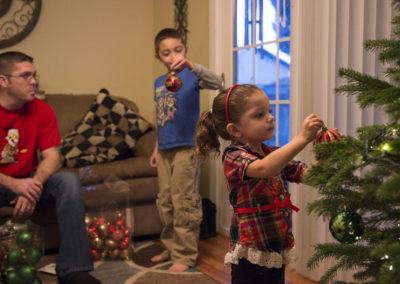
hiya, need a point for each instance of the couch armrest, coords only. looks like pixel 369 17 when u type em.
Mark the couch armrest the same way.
pixel 145 145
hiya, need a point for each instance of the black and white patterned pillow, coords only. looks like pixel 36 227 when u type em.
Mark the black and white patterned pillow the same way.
pixel 109 131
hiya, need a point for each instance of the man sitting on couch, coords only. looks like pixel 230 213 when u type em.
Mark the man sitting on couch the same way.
pixel 26 125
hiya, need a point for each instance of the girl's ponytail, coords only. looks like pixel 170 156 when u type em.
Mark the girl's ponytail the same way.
pixel 206 136
pixel 227 108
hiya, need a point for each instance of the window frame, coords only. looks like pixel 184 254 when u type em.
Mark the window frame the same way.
pixel 253 44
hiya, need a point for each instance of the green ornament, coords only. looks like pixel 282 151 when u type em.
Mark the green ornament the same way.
pixel 24 240
pixel 12 278
pixel 37 280
pixel 32 256
pixel 26 274
pixel 9 269
pixel 14 257
pixel 347 227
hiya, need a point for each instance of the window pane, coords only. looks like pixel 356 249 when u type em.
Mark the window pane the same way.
pixel 272 142
pixel 265 21
pixel 284 70
pixel 284 117
pixel 243 23
pixel 265 69
pixel 243 66
pixel 284 18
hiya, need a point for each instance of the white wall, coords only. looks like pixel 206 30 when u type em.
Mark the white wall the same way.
pixel 82 46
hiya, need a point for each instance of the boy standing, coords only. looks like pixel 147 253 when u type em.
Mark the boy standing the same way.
pixel 178 200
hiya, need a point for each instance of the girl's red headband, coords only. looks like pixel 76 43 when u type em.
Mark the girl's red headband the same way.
pixel 226 103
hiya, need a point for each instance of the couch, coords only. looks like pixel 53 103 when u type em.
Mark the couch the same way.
pixel 127 185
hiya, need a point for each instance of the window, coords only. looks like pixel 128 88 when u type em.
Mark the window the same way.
pixel 261 55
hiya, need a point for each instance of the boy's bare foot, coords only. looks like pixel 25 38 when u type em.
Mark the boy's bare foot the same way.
pixel 157 258
pixel 178 267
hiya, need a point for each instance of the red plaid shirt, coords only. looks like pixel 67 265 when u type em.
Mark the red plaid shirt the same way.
pixel 268 230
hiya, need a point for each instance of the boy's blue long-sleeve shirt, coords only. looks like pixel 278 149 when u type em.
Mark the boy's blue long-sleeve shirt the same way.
pixel 178 112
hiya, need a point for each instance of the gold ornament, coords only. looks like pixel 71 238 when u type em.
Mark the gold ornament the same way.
pixel 88 220
pixel 114 253
pixel 111 244
pixel 102 230
pixel 97 243
pixel 124 254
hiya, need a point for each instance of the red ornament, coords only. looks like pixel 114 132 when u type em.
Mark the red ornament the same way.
pixel 127 230
pixel 3 255
pixel 326 135
pixel 95 254
pixel 100 221
pixel 124 244
pixel 117 235
pixel 91 234
pixel 119 224
pixel 173 83
pixel 111 229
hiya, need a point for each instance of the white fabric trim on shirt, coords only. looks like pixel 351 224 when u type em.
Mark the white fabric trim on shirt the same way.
pixel 262 258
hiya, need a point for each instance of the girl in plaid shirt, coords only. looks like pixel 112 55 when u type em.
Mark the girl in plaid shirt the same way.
pixel 261 239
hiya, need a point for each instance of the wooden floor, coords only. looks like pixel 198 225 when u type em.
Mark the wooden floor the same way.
pixel 211 262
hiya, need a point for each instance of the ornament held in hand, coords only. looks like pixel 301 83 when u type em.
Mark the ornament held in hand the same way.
pixel 326 135
pixel 173 83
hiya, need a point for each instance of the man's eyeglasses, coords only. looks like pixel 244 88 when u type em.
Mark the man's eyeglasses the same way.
pixel 25 76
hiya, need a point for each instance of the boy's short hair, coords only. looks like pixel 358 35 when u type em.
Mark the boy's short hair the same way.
pixel 10 58
pixel 164 34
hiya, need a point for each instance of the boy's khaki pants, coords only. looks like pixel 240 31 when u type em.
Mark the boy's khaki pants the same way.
pixel 179 204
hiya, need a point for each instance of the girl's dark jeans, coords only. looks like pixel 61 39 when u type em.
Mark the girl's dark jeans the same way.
pixel 246 272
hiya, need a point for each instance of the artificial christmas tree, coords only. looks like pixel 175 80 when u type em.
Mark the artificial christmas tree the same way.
pixel 358 179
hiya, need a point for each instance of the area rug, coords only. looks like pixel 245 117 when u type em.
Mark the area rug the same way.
pixel 140 270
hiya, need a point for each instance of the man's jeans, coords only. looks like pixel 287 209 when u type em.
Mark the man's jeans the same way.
pixel 64 190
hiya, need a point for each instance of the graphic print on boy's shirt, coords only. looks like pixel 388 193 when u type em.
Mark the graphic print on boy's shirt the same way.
pixel 166 105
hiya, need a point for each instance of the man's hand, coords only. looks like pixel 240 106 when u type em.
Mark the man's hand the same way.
pixel 29 188
pixel 23 207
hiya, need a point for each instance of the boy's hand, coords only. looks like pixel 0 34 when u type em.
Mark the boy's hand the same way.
pixel 181 62
pixel 310 127
pixel 153 158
